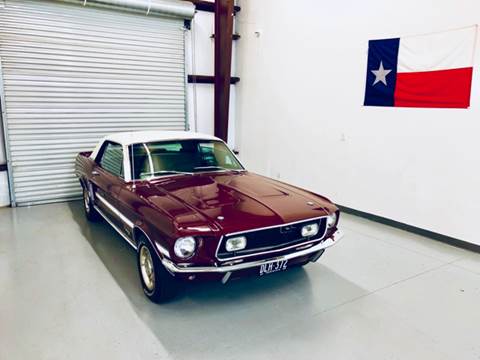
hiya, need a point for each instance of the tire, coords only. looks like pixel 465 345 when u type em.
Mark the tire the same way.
pixel 163 287
pixel 90 213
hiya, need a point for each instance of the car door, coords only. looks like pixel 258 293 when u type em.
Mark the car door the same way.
pixel 108 179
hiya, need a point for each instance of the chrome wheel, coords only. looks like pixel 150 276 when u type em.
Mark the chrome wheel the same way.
pixel 86 200
pixel 146 268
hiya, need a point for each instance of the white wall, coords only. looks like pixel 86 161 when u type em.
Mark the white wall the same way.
pixel 300 115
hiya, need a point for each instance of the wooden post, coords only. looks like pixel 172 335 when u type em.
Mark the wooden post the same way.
pixel 223 65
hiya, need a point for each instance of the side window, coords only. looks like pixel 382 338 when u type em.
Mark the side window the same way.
pixel 112 159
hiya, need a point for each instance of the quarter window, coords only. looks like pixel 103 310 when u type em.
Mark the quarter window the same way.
pixel 112 159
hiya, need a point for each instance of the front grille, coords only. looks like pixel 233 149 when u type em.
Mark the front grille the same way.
pixel 272 238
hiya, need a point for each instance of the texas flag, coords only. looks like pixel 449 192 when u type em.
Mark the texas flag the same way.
pixel 433 70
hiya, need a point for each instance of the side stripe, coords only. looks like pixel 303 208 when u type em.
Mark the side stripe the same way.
pixel 122 217
pixel 115 211
pixel 128 240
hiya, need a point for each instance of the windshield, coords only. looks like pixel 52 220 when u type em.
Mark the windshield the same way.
pixel 178 157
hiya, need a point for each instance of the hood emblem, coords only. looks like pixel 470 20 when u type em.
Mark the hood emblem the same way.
pixel 310 203
pixel 220 218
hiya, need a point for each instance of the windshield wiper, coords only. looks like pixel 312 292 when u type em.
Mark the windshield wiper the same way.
pixel 166 172
pixel 210 168
pixel 216 168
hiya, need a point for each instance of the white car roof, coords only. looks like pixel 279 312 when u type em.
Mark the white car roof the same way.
pixel 135 137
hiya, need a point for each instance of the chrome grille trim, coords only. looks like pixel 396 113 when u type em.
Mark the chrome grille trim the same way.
pixel 274 250
pixel 173 268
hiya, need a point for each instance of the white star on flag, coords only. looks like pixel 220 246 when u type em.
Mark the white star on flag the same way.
pixel 381 74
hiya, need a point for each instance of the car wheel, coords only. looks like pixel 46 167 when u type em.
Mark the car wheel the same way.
pixel 158 284
pixel 90 212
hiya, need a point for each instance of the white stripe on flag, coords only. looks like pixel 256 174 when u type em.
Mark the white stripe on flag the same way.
pixel 439 51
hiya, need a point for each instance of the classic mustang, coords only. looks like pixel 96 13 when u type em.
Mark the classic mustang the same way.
pixel 189 208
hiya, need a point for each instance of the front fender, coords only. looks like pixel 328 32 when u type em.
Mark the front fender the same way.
pixel 160 249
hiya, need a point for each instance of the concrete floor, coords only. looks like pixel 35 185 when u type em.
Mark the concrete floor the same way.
pixel 70 290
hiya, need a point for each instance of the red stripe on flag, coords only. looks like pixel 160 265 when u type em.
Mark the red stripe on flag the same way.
pixel 434 89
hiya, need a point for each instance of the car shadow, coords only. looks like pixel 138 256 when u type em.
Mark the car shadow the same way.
pixel 208 310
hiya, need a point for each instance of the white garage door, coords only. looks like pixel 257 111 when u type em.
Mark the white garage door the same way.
pixel 72 74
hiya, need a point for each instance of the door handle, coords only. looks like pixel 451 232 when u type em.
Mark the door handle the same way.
pixel 95 173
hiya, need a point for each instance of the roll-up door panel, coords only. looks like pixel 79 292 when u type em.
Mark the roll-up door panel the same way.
pixel 74 74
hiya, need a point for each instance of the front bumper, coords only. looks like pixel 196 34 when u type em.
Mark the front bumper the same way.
pixel 226 269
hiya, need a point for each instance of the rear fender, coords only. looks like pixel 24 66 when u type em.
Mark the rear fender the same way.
pixel 85 184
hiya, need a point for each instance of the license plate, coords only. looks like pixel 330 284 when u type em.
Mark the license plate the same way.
pixel 273 267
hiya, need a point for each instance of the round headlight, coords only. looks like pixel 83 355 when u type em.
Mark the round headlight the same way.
pixel 185 247
pixel 331 220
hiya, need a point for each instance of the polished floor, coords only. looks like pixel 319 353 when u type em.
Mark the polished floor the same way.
pixel 69 290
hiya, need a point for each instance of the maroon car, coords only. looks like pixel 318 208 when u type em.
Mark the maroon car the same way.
pixel 189 208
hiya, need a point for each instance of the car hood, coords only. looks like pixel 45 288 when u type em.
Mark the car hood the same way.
pixel 237 201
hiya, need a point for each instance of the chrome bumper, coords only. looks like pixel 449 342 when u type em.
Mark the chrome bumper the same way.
pixel 170 266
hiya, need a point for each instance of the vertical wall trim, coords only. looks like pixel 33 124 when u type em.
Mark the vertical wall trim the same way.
pixel 185 74
pixel 5 138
